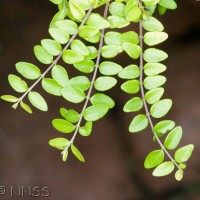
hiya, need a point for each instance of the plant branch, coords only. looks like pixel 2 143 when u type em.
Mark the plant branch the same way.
pixel 144 101
pixel 93 77
pixel 55 61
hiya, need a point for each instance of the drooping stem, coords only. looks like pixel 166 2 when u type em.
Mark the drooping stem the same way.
pixel 93 78
pixel 144 100
pixel 55 61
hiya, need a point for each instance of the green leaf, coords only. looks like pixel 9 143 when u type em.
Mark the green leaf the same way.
pixel 150 2
pixel 110 51
pixel 51 86
pixel 72 94
pixel 17 83
pixel 152 24
pixel 80 82
pixel 161 10
pixel 161 108
pixel 152 69
pixel 65 154
pixel 152 96
pixel 154 159
pixel 179 175
pixel 139 123
pixel 153 55
pixel 59 35
pixel 71 57
pixel 9 98
pixel 154 38
pixel 59 143
pixel 72 116
pixel 92 52
pixel 133 105
pixel 95 112
pixel 26 107
pixel 134 14
pixel 68 25
pixel 112 37
pixel 164 126
pixel 97 21
pixel 100 98
pixel 56 1
pixel 164 169
pixel 86 130
pixel 77 153
pixel 117 8
pixel 132 50
pixel 131 86
pixel 169 4
pixel 130 72
pixel 153 82
pixel 51 46
pixel 117 21
pixel 38 101
pixel 63 125
pixel 104 83
pixel 77 12
pixel 60 75
pixel 88 31
pixel 184 153
pixel 28 70
pixel 173 138
pixel 42 55
pixel 85 66
pixel 83 4
pixel 109 68
pixel 130 37
pixel 79 47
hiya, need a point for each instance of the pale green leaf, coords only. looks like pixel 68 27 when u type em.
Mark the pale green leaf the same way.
pixel 56 1
pixel 92 52
pixel 134 14
pixel 164 169
pixel 97 21
pixel 152 24
pixel 67 25
pixel 17 83
pixel 77 153
pixel 154 159
pixel 26 107
pixel 154 95
pixel 59 143
pixel 153 82
pixel 161 108
pixel 72 116
pixel 132 50
pixel 133 105
pixel 59 74
pixel 73 95
pixel 59 35
pixel 154 38
pixel 104 83
pixel 88 31
pixel 130 37
pixel 79 47
pixel 37 101
pixel 164 126
pixel 71 57
pixel 184 153
pixel 85 66
pixel 152 69
pixel 168 4
pixel 63 125
pixel 130 72
pixel 131 86
pixel 111 37
pixel 9 98
pixel 51 46
pixel 51 86
pixel 139 123
pixel 109 68
pixel 161 10
pixel 86 130
pixel 173 138
pixel 179 175
pixel 100 98
pixel 95 112
pixel 117 21
pixel 117 8
pixel 77 12
pixel 153 55
pixel 79 82
pixel 110 51
pixel 42 55
pixel 28 70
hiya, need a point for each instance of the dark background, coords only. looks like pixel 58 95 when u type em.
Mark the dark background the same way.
pixel 114 168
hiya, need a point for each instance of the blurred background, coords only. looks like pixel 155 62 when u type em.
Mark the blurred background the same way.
pixel 114 158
